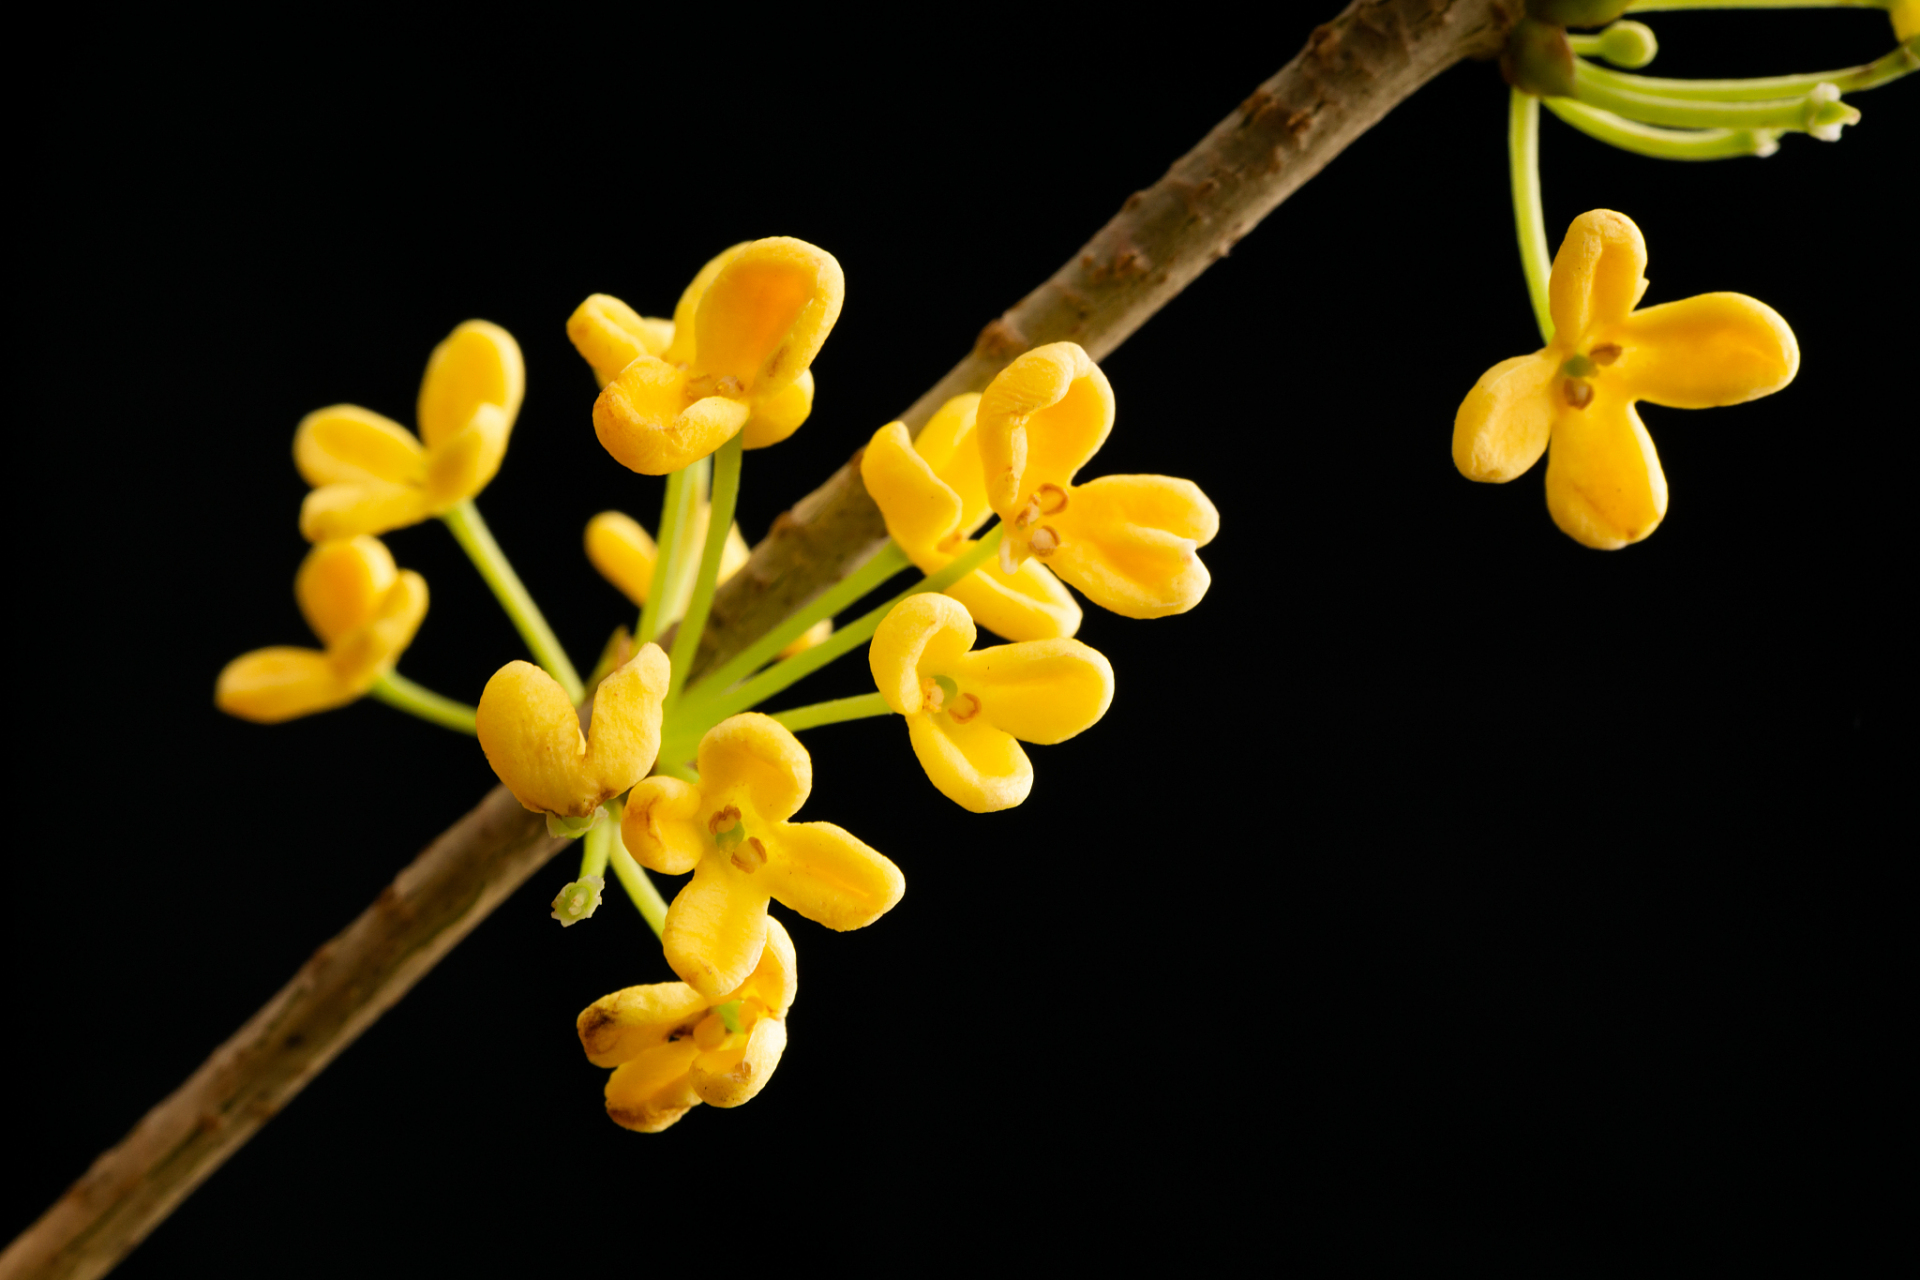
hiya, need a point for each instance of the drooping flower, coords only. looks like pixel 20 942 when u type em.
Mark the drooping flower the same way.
pixel 1127 542
pixel 1605 488
pixel 363 609
pixel 370 474
pixel 531 734
pixel 672 1048
pixel 965 710
pixel 731 830
pixel 933 496
pixel 735 358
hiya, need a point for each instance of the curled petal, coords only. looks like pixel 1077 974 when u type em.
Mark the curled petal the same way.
pixel 340 584
pixel 610 335
pixel 768 312
pixel 661 828
pixel 829 876
pixel 1128 542
pixel 924 634
pixel 1605 488
pixel 623 552
pixel 760 758
pixel 717 927
pixel 948 444
pixel 1027 604
pixel 683 350
pixel 919 508
pixel 477 364
pixel 778 412
pixel 1701 352
pixel 268 686
pixel 647 419
pixel 975 765
pixel 619 1027
pixel 531 734
pixel 1042 691
pixel 730 1077
pixel 776 979
pixel 460 466
pixel 1039 421
pixel 1503 424
pixel 349 510
pixel 648 1093
pixel 361 654
pixel 1598 275
pixel 347 444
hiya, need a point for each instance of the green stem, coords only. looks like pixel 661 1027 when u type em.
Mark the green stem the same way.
pixel 726 492
pixel 1900 62
pixel 639 887
pixel 1674 6
pixel 884 564
pixel 815 714
pixel 1529 220
pixel 594 846
pixel 1596 87
pixel 471 532
pixel 403 694
pixel 674 510
pixel 1664 144
pixel 674 770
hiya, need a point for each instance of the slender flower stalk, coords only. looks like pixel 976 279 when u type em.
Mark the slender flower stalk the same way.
pixel 1664 144
pixel 403 694
pixel 471 532
pixel 634 879
pixel 726 493
pixel 1596 87
pixel 676 517
pixel 1529 220
pixel 815 714
pixel 1884 70
pixel 1674 6
pixel 594 847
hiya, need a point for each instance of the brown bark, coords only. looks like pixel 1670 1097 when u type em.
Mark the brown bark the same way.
pixel 1352 72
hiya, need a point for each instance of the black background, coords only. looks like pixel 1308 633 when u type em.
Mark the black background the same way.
pixel 1433 856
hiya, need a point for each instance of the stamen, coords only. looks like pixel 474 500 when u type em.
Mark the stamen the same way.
pixel 1052 499
pixel 1606 353
pixel 1044 541
pixel 1578 393
pixel 730 386
pixel 965 708
pixel 1028 514
pixel 722 819
pixel 751 856
pixel 939 692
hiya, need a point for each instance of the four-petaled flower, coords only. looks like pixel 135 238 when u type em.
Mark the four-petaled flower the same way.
pixel 731 831
pixel 933 495
pixel 531 734
pixel 363 609
pixel 735 358
pixel 1127 542
pixel 672 1048
pixel 1605 488
pixel 370 474
pixel 964 710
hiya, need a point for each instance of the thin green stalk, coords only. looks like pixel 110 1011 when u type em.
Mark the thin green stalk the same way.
pixel 673 770
pixel 1872 75
pixel 1596 87
pixel 726 492
pixel 594 846
pixel 639 887
pixel 884 564
pixel 403 694
pixel 1674 6
pixel 1664 144
pixel 471 532
pixel 815 714
pixel 1529 220
pixel 675 508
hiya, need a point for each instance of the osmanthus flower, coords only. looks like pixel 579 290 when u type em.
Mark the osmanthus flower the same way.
pixel 965 710
pixel 1905 15
pixel 731 830
pixel 531 734
pixel 1573 399
pixel 363 609
pixel 370 474
pixel 672 1048
pixel 735 358
pixel 934 496
pixel 1127 542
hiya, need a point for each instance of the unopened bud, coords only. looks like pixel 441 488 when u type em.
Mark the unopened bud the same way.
pixel 1628 44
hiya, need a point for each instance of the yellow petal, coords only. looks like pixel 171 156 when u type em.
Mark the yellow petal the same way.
pixel 1039 421
pixel 339 511
pixel 650 1092
pixel 340 584
pixel 1041 691
pixel 829 876
pixel 731 1077
pixel 1128 543
pixel 1028 604
pixel 1905 15
pixel 948 444
pixel 281 683
pixel 978 767
pixel 347 444
pixel 778 412
pixel 775 981
pixel 611 335
pixel 925 634
pixel 682 350
pixel 1598 275
pixel 1605 488
pixel 361 654
pixel 918 507
pixel 649 422
pixel 461 466
pixel 1714 349
pixel 531 734
pixel 478 363
pixel 768 312
pixel 661 828
pixel 623 552
pixel 616 1028
pixel 1503 424
pixel 717 927
pixel 759 758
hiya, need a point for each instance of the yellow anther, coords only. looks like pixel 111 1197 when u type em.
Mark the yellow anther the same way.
pixel 723 820
pixel 965 708
pixel 1051 499
pixel 1044 541
pixel 932 696
pixel 1604 354
pixel 1579 394
pixel 750 856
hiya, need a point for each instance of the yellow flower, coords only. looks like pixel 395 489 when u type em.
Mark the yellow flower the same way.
pixel 934 496
pixel 672 1048
pixel 735 357
pixel 1905 15
pixel 964 710
pixel 531 734
pixel 370 474
pixel 363 609
pixel 1604 484
pixel 731 831
pixel 1127 542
